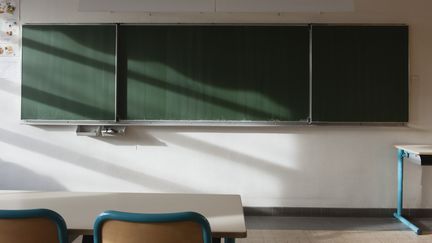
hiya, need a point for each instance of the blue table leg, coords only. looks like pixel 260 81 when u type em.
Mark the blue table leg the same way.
pixel 229 240
pixel 398 213
pixel 400 166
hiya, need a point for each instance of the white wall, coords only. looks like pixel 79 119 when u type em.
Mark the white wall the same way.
pixel 319 166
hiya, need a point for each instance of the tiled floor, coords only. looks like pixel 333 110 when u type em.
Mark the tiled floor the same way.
pixel 330 230
pixel 334 230
pixel 332 236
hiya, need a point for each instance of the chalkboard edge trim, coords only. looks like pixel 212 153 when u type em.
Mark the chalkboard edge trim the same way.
pixel 360 123
pixel 293 24
pixel 205 123
pixel 67 122
pixel 163 123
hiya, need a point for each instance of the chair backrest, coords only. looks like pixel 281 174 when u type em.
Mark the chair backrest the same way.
pixel 181 227
pixel 32 226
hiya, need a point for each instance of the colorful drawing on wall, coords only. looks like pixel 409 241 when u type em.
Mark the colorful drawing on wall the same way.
pixel 8 7
pixel 9 28
pixel 8 50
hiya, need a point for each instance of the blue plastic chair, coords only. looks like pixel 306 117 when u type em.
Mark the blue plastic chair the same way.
pixel 121 227
pixel 32 225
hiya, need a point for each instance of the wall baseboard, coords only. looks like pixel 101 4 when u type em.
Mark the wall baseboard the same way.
pixel 334 212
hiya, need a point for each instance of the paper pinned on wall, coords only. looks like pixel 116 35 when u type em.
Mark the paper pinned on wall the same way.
pixel 9 8
pixel 242 6
pixel 9 29
pixel 289 6
pixel 147 5
pixel 9 70
pixel 9 50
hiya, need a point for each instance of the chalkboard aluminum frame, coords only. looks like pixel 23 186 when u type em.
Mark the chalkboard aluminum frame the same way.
pixel 200 123
pixel 74 122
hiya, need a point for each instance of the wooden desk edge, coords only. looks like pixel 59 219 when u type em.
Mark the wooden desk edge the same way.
pixel 214 234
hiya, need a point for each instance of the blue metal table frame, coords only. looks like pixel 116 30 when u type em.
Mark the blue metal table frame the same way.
pixel 420 159
pixel 398 214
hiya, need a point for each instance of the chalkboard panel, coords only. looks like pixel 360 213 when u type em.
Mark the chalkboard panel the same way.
pixel 218 73
pixel 68 72
pixel 360 74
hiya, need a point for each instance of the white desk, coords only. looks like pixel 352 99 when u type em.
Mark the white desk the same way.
pixel 416 149
pixel 419 154
pixel 224 212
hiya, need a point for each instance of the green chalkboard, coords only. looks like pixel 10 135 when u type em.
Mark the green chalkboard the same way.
pixel 360 74
pixel 218 73
pixel 68 72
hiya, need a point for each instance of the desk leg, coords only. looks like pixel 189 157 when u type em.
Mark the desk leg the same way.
pixel 400 172
pixel 398 213
pixel 229 240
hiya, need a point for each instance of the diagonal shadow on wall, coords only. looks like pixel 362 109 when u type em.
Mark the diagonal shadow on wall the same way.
pixel 269 167
pixel 91 163
pixel 12 178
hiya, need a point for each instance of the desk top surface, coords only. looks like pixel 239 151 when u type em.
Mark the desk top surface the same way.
pixel 79 209
pixel 416 149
